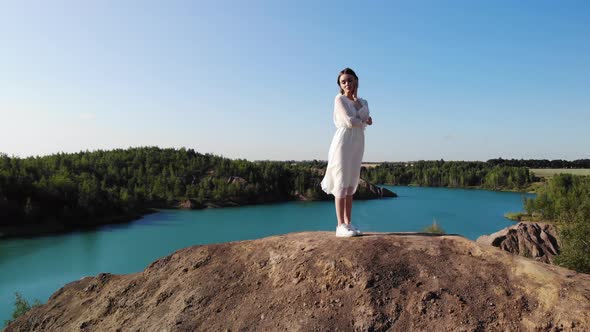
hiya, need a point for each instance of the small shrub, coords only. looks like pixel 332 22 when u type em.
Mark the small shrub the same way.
pixel 434 228
pixel 21 306
pixel 516 216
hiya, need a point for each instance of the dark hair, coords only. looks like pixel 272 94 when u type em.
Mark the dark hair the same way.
pixel 345 71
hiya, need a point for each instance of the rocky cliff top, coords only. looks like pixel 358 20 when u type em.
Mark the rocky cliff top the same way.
pixel 313 281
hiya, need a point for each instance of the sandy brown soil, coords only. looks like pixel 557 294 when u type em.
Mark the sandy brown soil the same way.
pixel 314 281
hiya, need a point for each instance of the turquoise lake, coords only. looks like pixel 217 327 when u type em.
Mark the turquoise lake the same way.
pixel 38 267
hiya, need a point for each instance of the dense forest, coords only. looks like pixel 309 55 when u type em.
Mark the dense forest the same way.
pixel 565 199
pixel 541 163
pixel 456 174
pixel 86 188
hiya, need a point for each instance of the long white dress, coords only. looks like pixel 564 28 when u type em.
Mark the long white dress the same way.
pixel 347 147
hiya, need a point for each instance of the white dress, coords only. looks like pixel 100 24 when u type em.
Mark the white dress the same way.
pixel 347 148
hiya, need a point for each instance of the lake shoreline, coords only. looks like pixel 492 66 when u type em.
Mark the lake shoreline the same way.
pixel 365 191
pixel 48 229
pixel 527 190
pixel 51 229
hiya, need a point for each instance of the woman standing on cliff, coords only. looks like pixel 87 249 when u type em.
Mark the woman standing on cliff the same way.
pixel 351 116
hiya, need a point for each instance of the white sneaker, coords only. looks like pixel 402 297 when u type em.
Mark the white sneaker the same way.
pixel 344 231
pixel 355 230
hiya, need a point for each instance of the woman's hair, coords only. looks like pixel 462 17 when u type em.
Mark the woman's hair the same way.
pixel 345 71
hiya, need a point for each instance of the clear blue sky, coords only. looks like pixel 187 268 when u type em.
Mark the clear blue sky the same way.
pixel 458 80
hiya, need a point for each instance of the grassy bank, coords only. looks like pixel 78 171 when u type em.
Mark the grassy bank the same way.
pixel 550 172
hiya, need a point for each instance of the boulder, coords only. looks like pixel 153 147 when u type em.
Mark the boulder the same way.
pixel 236 179
pixel 187 204
pixel 529 239
pixel 368 190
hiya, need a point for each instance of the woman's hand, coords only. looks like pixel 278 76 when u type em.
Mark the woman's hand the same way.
pixel 357 102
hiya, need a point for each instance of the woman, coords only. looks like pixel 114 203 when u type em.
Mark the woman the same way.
pixel 351 116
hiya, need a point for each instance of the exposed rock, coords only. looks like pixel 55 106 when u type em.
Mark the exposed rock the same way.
pixel 367 190
pixel 237 179
pixel 188 204
pixel 529 239
pixel 314 281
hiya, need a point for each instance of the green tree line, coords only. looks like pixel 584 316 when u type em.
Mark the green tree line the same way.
pixel 454 174
pixel 83 187
pixel 541 163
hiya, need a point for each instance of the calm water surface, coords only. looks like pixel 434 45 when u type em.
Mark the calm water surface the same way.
pixel 38 267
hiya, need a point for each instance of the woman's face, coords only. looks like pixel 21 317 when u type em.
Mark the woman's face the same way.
pixel 347 83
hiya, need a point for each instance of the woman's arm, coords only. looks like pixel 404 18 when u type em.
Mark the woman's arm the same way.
pixel 363 112
pixel 342 114
pixel 362 107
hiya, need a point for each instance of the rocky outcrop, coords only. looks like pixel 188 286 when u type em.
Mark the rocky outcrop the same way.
pixel 189 204
pixel 314 281
pixel 529 239
pixel 237 179
pixel 367 190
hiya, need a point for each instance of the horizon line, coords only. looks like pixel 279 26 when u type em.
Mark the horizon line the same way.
pixel 273 160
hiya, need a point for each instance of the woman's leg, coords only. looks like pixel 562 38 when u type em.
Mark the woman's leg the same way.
pixel 348 210
pixel 340 209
